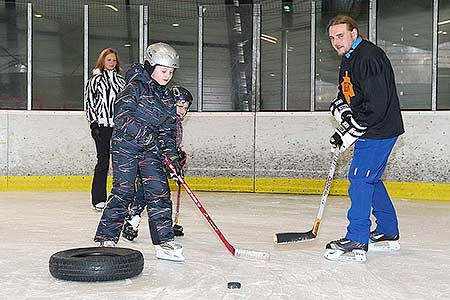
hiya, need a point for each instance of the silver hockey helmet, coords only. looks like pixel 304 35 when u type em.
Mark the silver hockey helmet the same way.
pixel 162 54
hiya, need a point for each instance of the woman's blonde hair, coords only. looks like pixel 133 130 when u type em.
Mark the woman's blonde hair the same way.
pixel 101 59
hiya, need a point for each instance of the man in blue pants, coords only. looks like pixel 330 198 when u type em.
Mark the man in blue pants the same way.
pixel 368 112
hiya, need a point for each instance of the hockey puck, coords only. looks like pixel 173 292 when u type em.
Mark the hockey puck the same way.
pixel 234 285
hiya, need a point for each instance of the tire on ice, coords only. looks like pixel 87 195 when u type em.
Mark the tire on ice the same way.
pixel 96 264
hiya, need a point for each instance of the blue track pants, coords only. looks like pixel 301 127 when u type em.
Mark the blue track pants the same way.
pixel 367 191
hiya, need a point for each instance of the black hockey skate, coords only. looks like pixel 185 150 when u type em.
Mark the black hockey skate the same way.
pixel 383 243
pixel 346 250
pixel 178 230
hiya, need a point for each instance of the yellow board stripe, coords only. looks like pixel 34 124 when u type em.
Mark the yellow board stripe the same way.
pixel 410 190
pixel 222 184
pixel 47 183
pixel 299 186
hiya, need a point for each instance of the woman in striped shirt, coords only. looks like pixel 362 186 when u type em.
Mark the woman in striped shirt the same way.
pixel 100 93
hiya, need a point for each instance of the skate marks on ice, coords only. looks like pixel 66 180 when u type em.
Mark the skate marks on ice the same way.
pixel 43 223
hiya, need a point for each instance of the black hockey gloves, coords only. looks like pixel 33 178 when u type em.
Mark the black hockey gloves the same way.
pixel 340 109
pixel 346 134
pixel 179 170
pixel 182 156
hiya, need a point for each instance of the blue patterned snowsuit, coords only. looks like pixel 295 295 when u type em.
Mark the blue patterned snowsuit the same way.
pixel 138 204
pixel 144 111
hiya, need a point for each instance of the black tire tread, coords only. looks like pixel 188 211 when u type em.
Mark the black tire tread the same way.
pixel 96 264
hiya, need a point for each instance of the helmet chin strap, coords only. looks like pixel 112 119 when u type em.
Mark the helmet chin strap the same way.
pixel 149 68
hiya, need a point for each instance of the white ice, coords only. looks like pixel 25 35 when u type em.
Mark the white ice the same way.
pixel 34 225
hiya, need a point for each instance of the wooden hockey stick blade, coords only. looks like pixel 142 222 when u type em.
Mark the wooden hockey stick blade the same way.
pixel 294 237
pixel 251 254
pixel 297 237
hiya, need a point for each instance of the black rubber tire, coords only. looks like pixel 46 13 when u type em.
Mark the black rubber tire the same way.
pixel 96 264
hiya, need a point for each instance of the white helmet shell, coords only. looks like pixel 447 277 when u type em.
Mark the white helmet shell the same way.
pixel 162 54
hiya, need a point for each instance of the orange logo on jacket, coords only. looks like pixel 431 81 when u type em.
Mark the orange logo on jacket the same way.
pixel 347 87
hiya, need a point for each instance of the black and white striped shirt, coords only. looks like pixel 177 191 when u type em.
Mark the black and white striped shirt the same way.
pixel 99 96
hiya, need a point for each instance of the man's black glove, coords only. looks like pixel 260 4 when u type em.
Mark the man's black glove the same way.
pixel 346 134
pixel 340 109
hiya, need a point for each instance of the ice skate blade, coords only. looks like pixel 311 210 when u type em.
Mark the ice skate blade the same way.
pixel 171 257
pixel 384 246
pixel 339 255
pixel 170 254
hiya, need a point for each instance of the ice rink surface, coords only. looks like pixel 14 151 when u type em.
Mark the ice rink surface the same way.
pixel 35 225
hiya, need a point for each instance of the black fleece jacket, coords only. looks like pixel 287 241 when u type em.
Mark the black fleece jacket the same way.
pixel 366 81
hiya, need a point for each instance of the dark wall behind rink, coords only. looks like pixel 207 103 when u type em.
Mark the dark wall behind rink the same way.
pixel 290 72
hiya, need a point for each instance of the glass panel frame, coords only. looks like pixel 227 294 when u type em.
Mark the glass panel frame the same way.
pixel 13 55
pixel 443 60
pixel 57 58
pixel 404 32
pixel 228 40
pixel 57 78
pixel 327 60
pixel 116 28
pixel 285 56
pixel 271 58
pixel 176 23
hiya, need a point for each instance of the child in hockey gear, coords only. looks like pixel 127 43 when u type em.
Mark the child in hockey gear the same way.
pixel 346 250
pixel 144 132
pixel 183 99
pixel 368 110
pixel 382 242
pixel 99 96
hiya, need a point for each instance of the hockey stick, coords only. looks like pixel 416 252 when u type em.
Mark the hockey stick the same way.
pixel 234 251
pixel 177 228
pixel 296 237
pixel 177 211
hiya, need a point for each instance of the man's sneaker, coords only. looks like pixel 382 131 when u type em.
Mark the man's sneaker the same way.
pixel 383 243
pixel 99 206
pixel 346 250
pixel 178 230
pixel 107 244
pixel 171 250
pixel 130 228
